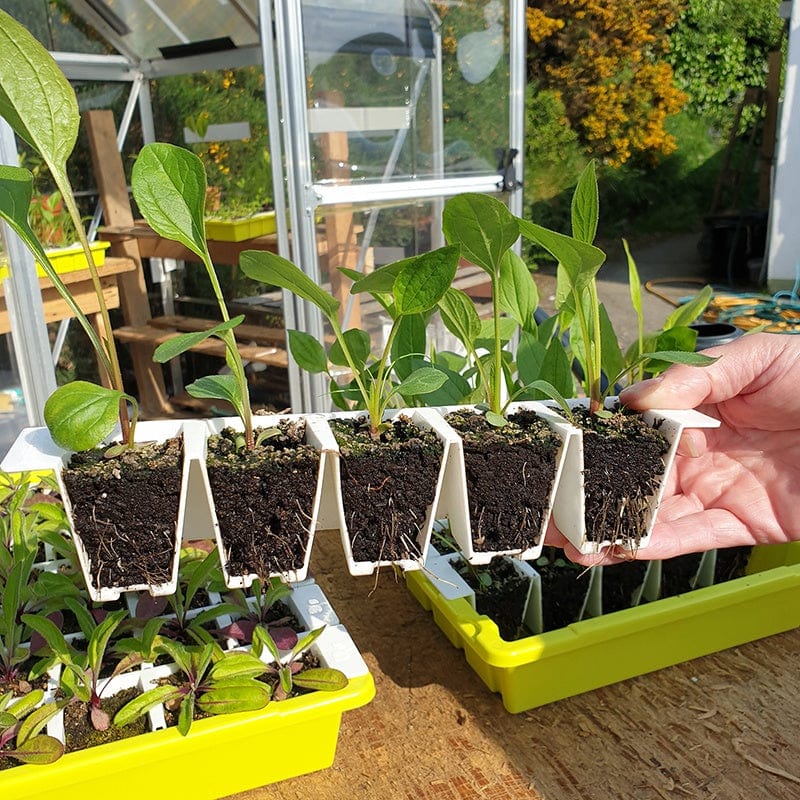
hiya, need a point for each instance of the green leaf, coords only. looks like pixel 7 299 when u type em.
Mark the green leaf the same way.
pixel 585 209
pixel 169 186
pixel 22 708
pixel 142 703
pixel 667 357
pixel 579 261
pixel 358 345
pixel 51 634
pixel 634 284
pixel 380 281
pixel 424 279
pixel 687 313
pixel 455 389
pixel 96 647
pixel 508 327
pixel 80 415
pixel 460 317
pixel 232 697
pixel 41 749
pixel 421 381
pixel 410 340
pixel 186 341
pixel 35 721
pixel 517 293
pixel 307 352
pixel 530 357
pixel 612 360
pixel 236 664
pixel 495 419
pixel 482 227
pixel 217 387
pixel 321 679
pixel 275 270
pixel 35 98
pixel 186 714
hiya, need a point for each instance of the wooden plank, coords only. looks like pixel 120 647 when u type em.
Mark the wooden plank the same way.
pixel 152 337
pixel 244 333
pixel 133 300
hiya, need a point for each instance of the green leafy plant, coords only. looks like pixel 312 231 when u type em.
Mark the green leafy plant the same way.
pixel 21 723
pixel 40 105
pixel 81 670
pixel 591 336
pixel 27 591
pixel 256 608
pixel 408 290
pixel 195 574
pixel 485 232
pixel 290 668
pixel 208 679
pixel 169 186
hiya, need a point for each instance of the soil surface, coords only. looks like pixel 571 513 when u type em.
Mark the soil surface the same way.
pixel 387 487
pixel 125 510
pixel 500 593
pixel 510 473
pixel 264 499
pixel 79 732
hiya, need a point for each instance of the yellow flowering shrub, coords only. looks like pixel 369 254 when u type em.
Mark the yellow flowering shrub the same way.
pixel 606 61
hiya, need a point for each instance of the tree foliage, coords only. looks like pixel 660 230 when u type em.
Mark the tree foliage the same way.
pixel 607 62
pixel 719 48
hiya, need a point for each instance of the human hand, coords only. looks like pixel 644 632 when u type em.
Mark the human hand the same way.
pixel 732 485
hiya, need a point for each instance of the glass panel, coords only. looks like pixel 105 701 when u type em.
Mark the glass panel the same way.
pixel 55 26
pixel 146 27
pixel 374 69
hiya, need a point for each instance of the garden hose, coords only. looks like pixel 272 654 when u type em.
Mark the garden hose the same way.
pixel 778 313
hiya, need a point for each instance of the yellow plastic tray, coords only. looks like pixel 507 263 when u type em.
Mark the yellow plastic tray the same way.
pixel 596 652
pixel 238 230
pixel 220 756
pixel 66 259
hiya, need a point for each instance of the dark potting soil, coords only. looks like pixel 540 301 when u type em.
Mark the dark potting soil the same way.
pixel 564 586
pixel 620 583
pixel 125 510
pixel 264 499
pixel 731 563
pixel 501 597
pixel 623 466
pixel 510 473
pixel 79 732
pixel 387 486
pixel 678 574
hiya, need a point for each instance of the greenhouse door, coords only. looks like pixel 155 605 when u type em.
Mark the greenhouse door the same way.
pixel 383 109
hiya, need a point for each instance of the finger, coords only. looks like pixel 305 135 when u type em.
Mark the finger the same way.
pixel 693 443
pixel 742 367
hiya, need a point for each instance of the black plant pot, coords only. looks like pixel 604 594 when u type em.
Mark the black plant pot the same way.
pixel 711 334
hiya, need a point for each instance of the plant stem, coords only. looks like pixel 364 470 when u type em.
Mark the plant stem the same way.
pixel 233 359
pixel 495 398
pixel 108 347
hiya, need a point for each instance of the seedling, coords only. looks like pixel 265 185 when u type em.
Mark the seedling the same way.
pixel 81 674
pixel 255 610
pixel 169 186
pixel 40 105
pixel 289 667
pixel 408 290
pixel 196 574
pixel 592 338
pixel 21 723
pixel 485 231
pixel 208 679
